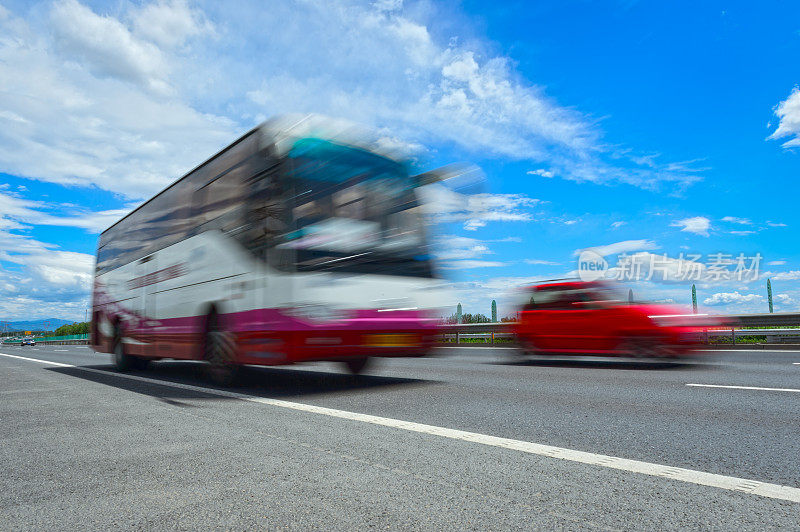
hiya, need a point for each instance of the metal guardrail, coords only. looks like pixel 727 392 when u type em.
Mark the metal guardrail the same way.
pixel 498 330
pixel 492 331
pixel 57 340
pixel 783 319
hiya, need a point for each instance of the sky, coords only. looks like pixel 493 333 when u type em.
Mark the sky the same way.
pixel 663 136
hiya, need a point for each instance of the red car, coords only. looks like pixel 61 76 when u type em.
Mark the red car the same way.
pixel 592 318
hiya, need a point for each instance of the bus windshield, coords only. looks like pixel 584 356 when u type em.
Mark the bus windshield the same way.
pixel 353 211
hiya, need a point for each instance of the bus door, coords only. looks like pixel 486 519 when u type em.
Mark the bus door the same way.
pixel 146 280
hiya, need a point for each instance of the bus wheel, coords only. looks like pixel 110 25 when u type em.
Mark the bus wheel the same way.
pixel 122 361
pixel 356 365
pixel 219 353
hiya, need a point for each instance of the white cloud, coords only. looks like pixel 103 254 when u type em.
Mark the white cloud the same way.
pixel 775 224
pixel 388 5
pixel 80 108
pixel 788 112
pixel 735 220
pixel 453 247
pixel 541 172
pixel 107 47
pixel 618 224
pixel 742 233
pixel 542 262
pixel 475 210
pixel 698 225
pixel 617 248
pixel 776 263
pixel 792 275
pixel 470 264
pixel 727 298
pixel 103 97
pixel 46 280
pixel 785 301
pixel 170 24
pixel 428 86
pixel 15 211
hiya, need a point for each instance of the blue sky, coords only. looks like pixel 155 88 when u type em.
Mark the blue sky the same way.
pixel 628 127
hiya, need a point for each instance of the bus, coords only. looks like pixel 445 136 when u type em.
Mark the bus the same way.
pixel 293 244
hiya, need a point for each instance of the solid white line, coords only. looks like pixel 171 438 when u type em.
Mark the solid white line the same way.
pixel 753 487
pixel 745 388
pixel 40 361
pixel 796 363
pixel 749 350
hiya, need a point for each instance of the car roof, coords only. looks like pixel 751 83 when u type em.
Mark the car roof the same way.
pixel 566 285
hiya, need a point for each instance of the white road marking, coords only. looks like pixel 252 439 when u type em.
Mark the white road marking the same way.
pixel 796 363
pixel 60 350
pixel 745 388
pixel 40 361
pixel 749 350
pixel 753 487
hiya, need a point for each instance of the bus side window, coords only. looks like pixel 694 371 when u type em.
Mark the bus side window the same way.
pixel 197 216
pixel 350 203
pixel 223 208
pixel 126 245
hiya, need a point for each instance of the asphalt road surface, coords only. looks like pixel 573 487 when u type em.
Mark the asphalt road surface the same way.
pixel 473 439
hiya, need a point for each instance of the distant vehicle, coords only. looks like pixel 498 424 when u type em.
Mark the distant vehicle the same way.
pixel 28 341
pixel 289 245
pixel 593 318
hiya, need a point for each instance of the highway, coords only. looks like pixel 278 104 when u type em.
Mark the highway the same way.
pixel 452 441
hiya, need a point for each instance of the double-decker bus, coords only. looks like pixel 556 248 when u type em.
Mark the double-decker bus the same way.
pixel 289 245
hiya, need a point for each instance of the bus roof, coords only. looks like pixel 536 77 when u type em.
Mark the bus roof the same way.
pixel 281 133
pixel 187 174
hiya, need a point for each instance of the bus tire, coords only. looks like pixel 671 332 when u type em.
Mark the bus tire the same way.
pixel 122 361
pixel 219 353
pixel 356 365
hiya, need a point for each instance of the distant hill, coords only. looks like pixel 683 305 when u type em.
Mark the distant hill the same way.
pixel 33 325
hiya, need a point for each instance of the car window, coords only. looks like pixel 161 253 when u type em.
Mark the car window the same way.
pixel 555 299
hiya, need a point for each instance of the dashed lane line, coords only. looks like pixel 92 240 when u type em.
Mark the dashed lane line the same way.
pixel 753 487
pixel 731 387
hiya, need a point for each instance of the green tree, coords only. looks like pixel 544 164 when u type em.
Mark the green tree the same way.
pixel 72 328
